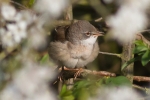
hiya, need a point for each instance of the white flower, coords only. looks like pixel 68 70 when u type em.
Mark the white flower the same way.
pixel 118 93
pixel 8 12
pixel 13 33
pixel 6 38
pixel 25 17
pixel 53 7
pixel 30 83
pixel 129 20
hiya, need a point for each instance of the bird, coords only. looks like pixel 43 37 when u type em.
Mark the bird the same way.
pixel 75 45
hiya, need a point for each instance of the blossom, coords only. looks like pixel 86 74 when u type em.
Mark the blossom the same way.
pixel 120 93
pixel 16 24
pixel 53 7
pixel 30 83
pixel 129 20
pixel 8 11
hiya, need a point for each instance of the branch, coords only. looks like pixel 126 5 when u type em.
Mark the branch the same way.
pixel 69 73
pixel 141 78
pixel 99 8
pixel 141 37
pixel 112 54
pixel 138 87
pixel 63 22
pixel 16 3
pixel 6 52
pixel 146 90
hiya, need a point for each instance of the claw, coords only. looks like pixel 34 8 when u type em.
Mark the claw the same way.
pixel 78 73
pixel 60 76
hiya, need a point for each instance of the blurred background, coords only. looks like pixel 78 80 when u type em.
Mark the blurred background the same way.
pixel 30 54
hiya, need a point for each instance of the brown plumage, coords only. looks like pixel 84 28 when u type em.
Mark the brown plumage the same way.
pixel 76 46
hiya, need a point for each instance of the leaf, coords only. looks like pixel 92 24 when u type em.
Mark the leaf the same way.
pixel 83 94
pixel 141 53
pixel 84 88
pixel 145 58
pixel 129 62
pixel 63 90
pixel 31 2
pixel 70 97
pixel 79 85
pixel 44 59
pixel 83 83
pixel 118 81
pixel 66 94
pixel 139 49
pixel 139 42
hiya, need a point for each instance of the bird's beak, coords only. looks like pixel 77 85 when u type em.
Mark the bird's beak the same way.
pixel 98 34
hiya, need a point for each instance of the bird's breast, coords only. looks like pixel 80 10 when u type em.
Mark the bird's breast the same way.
pixel 81 51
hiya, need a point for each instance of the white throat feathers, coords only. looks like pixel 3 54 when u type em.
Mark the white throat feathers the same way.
pixel 90 41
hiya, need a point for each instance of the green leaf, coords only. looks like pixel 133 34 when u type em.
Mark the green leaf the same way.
pixel 145 58
pixel 139 42
pixel 44 59
pixel 140 48
pixel 129 62
pixel 70 97
pixel 118 81
pixel 66 94
pixel 63 90
pixel 83 94
pixel 31 2
pixel 81 84
pixel 141 53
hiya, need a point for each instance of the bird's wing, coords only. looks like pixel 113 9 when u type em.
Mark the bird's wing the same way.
pixel 59 33
pixel 58 51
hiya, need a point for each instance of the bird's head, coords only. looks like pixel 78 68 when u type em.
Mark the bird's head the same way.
pixel 82 32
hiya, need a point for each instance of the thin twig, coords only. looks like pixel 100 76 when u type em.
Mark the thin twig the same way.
pixel 141 37
pixel 62 22
pixel 99 19
pixel 112 54
pixel 138 87
pixel 18 4
pixel 5 53
pixel 24 7
pixel 146 90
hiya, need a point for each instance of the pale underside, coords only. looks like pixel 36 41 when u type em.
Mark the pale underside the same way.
pixel 74 56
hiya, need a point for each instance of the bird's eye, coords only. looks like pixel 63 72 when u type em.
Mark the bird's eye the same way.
pixel 88 33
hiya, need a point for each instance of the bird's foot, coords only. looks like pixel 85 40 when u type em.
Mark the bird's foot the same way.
pixel 60 76
pixel 78 73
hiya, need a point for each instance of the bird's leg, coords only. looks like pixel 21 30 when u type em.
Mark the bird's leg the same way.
pixel 78 72
pixel 60 77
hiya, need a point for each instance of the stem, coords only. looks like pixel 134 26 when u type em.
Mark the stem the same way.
pixel 126 56
pixel 111 54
